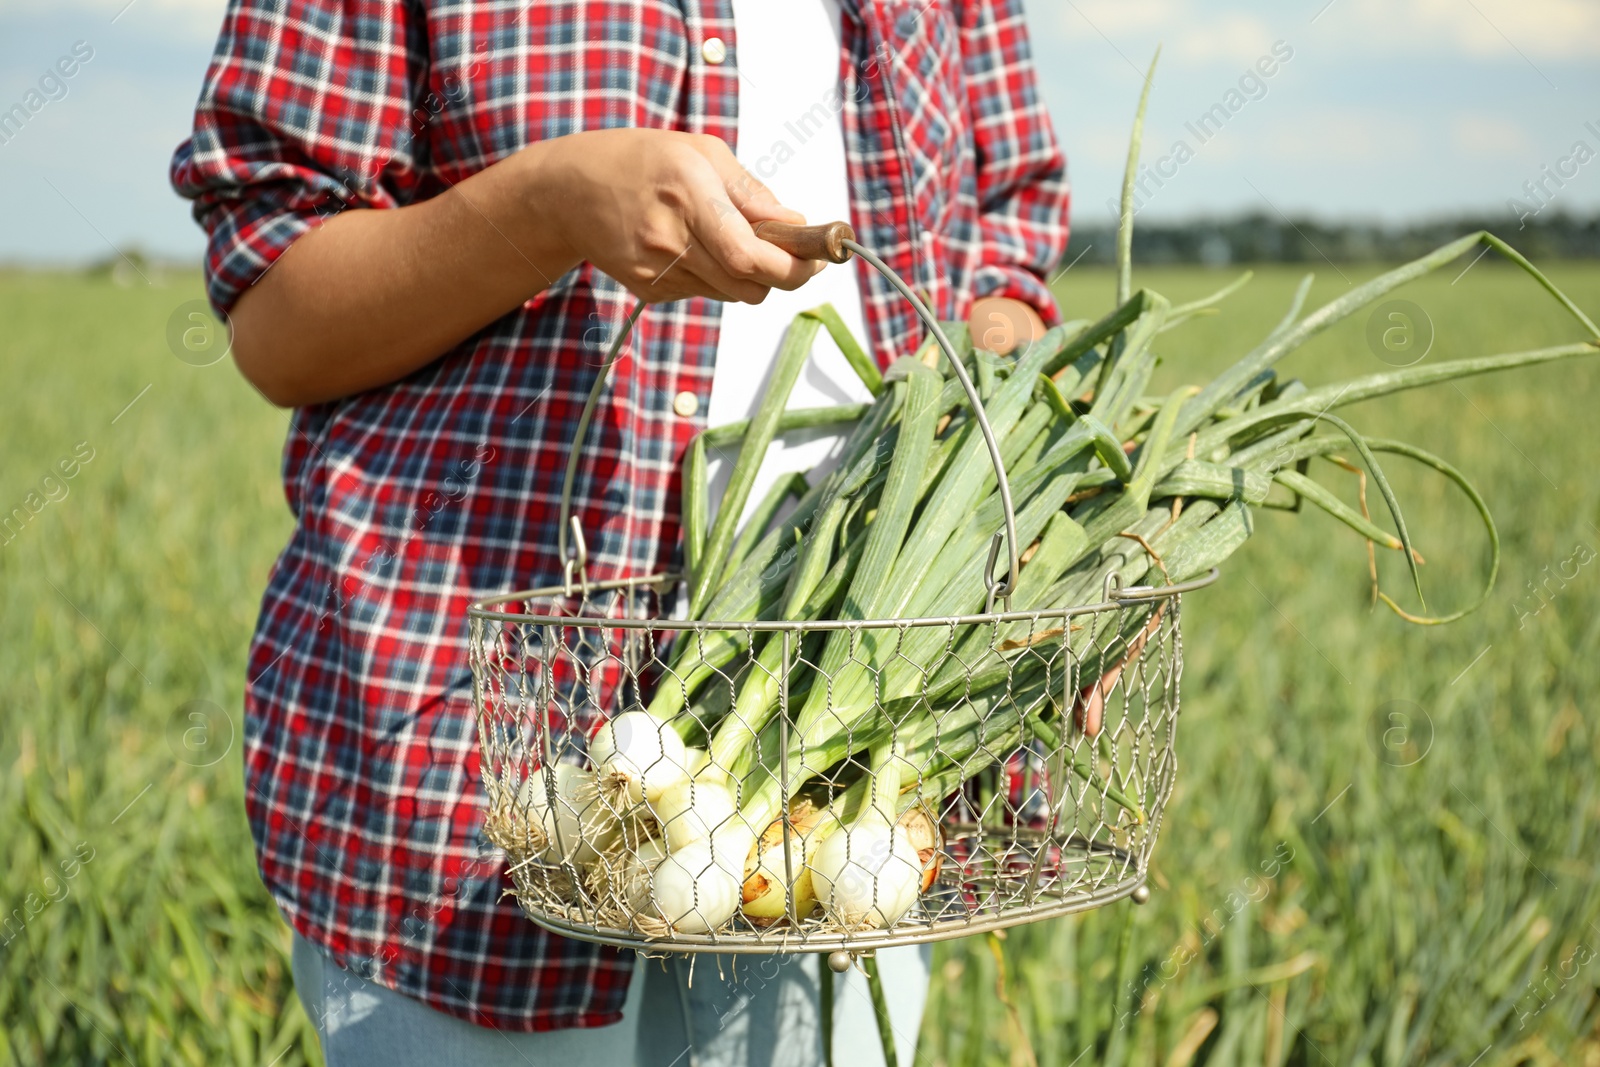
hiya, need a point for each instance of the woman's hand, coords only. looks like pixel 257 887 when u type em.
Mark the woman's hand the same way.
pixel 667 214
pixel 1002 324
pixel 370 296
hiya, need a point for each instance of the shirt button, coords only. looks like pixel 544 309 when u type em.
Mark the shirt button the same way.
pixel 686 404
pixel 714 51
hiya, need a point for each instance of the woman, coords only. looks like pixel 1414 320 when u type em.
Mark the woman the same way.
pixel 426 219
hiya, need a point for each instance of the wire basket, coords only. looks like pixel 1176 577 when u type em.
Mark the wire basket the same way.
pixel 1021 760
pixel 1053 825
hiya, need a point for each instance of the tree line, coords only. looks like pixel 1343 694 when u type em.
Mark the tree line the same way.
pixel 1260 238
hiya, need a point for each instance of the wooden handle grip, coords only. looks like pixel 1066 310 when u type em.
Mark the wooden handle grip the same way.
pixel 824 241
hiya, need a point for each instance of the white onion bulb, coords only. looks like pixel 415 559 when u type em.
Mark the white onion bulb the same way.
pixel 692 891
pixel 632 888
pixel 639 756
pixel 731 847
pixel 569 826
pixel 695 810
pixel 867 875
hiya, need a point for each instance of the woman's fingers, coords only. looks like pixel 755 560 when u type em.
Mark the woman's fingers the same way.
pixel 678 282
pixel 746 192
pixel 723 213
pixel 715 260
pixel 694 273
pixel 667 214
pixel 730 240
pixel 703 266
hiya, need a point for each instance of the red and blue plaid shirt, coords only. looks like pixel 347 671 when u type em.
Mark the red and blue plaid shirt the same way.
pixel 417 498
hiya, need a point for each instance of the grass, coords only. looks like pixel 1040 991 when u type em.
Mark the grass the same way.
pixel 1314 901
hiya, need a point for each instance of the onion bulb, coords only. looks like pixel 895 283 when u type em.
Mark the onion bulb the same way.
pixel 566 831
pixel 695 810
pixel 922 830
pixel 692 891
pixel 766 896
pixel 867 875
pixel 632 886
pixel 637 757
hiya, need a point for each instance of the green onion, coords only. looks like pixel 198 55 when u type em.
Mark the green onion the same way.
pixel 763 427
pixel 859 724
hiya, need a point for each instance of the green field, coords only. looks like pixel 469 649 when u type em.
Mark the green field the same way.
pixel 1316 901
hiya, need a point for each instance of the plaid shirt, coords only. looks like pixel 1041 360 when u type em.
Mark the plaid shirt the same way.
pixel 414 499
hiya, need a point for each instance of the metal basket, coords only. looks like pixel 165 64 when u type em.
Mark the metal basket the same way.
pixel 1045 836
pixel 1012 818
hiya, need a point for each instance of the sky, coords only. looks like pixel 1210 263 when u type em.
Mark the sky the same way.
pixel 1385 110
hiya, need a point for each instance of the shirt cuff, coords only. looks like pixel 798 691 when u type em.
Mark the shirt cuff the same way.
pixel 1018 283
pixel 253 210
pixel 246 239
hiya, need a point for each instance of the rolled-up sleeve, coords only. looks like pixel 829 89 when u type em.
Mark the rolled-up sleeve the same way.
pixel 1023 195
pixel 305 111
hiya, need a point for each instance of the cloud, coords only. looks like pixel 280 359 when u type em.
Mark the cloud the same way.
pixel 189 18
pixel 1488 136
pixel 1530 29
pixel 1535 30
pixel 211 9
pixel 1320 136
pixel 1232 36
pixel 1184 29
pixel 1118 17
pixel 1101 144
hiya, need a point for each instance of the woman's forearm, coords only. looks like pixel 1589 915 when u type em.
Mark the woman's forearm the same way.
pixel 371 296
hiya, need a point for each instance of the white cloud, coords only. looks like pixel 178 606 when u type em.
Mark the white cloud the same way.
pixel 1338 135
pixel 190 18
pixel 1185 30
pixel 1240 29
pixel 1234 36
pixel 1115 17
pixel 209 8
pixel 1531 29
pixel 1105 145
pixel 1488 136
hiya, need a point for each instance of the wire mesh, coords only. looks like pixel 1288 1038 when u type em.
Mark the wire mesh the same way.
pixel 1031 754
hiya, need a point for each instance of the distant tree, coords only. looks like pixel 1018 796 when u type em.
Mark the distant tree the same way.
pixel 1259 238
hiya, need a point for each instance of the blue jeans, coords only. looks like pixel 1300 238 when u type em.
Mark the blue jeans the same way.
pixel 760 1011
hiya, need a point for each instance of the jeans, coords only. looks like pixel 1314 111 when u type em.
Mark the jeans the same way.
pixel 706 1011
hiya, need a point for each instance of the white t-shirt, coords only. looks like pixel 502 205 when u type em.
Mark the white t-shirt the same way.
pixel 791 138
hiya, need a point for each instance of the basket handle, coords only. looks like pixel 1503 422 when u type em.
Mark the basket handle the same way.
pixel 825 241
pixel 833 242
